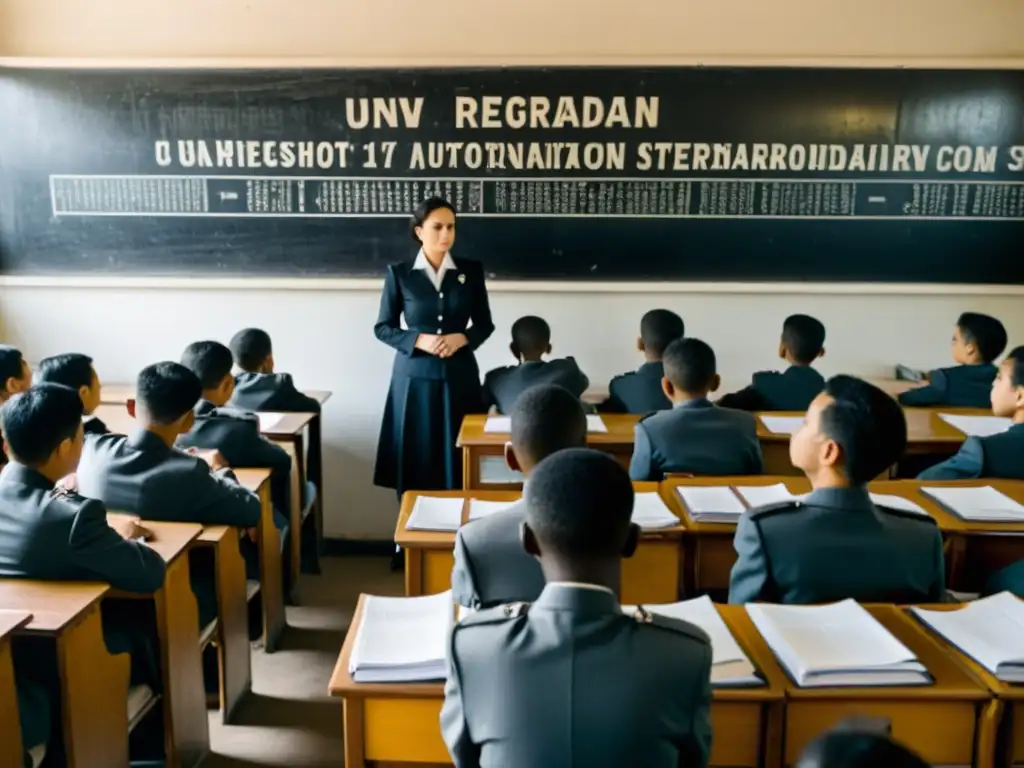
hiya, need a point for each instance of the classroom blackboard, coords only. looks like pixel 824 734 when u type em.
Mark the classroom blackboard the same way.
pixel 558 173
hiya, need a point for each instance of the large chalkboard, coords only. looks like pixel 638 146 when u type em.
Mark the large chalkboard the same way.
pixel 565 173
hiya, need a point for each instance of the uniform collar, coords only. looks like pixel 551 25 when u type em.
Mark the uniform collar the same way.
pixel 802 370
pixel 652 368
pixel 436 276
pixel 204 408
pixel 19 473
pixel 855 498
pixel 578 598
pixel 1016 428
pixel 144 440
pixel 699 402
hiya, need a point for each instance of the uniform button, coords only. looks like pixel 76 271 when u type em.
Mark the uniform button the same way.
pixel 440 317
pixel 439 330
pixel 440 295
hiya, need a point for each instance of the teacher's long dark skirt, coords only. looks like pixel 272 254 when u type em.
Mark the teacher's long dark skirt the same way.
pixel 416 450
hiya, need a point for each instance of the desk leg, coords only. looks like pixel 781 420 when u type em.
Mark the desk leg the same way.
pixel 413 572
pixel 295 489
pixel 233 639
pixel 467 468
pixel 271 588
pixel 988 731
pixel 774 728
pixel 955 551
pixel 94 695
pixel 10 723
pixel 352 724
pixel 186 725
pixel 315 470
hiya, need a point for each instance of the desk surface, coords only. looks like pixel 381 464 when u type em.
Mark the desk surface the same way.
pixel 119 422
pixel 53 604
pixel 118 394
pixel 796 485
pixel 252 479
pixel 923 425
pixel 171 539
pixel 620 431
pixel 446 539
pixel 288 424
pixel 10 621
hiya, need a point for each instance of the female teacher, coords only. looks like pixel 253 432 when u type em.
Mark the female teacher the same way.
pixel 435 380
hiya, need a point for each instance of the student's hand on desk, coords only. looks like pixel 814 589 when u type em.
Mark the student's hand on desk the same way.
pixel 129 528
pixel 449 344
pixel 215 459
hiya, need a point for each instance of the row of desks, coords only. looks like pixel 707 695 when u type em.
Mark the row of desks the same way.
pixel 967 717
pixel 695 557
pixel 927 434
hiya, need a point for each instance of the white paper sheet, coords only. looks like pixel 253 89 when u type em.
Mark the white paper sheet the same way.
pixel 595 423
pixel 650 512
pixel 711 504
pixel 782 425
pixel 760 495
pixel 479 508
pixel 498 425
pixel 980 504
pixel 435 513
pixel 269 420
pixel 977 426
pixel 494 471
pixel 897 502
pixel 402 639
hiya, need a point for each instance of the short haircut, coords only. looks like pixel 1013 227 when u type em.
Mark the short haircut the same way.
pixel 531 334
pixel 858 750
pixel 580 502
pixel 868 425
pixel 804 337
pixel 545 419
pixel 250 347
pixel 211 361
pixel 689 364
pixel 72 370
pixel 659 328
pixel 1016 356
pixel 984 332
pixel 423 211
pixel 167 391
pixel 38 420
pixel 11 363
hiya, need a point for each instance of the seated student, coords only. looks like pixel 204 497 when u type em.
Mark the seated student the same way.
pixel 640 391
pixel 977 341
pixel 15 376
pixel 258 388
pixel 50 533
pixel 837 544
pixel 76 371
pixel 491 566
pixel 144 474
pixel 999 455
pixel 531 340
pixel 696 436
pixel 532 683
pixel 803 342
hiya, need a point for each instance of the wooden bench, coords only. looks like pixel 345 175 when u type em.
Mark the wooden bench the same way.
pixel 11 749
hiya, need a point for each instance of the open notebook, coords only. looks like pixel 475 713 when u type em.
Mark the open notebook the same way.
pixel 840 644
pixel 977 426
pixel 650 512
pixel 730 666
pixel 503 424
pixel 983 504
pixel 725 504
pixel 990 631
pixel 436 513
pixel 402 639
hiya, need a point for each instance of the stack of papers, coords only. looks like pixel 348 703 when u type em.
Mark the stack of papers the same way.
pixel 730 666
pixel 897 502
pixel 760 495
pixel 983 505
pixel 711 504
pixel 503 424
pixel 435 513
pixel 782 425
pixel 987 630
pixel 402 639
pixel 836 645
pixel 479 508
pixel 649 512
pixel 977 426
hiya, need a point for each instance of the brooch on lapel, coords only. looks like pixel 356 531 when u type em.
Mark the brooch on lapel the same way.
pixel 462 279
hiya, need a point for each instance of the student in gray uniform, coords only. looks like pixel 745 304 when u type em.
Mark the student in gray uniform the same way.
pixel 15 376
pixel 999 455
pixel 571 679
pixel 257 387
pixel 640 391
pixel 77 372
pixel 491 566
pixel 531 340
pixel 50 533
pixel 803 342
pixel 837 544
pixel 696 436
pixel 978 340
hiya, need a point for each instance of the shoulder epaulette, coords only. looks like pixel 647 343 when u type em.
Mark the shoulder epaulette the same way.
pixel 907 514
pixel 777 508
pixel 646 416
pixel 498 613
pixel 642 616
pixel 60 492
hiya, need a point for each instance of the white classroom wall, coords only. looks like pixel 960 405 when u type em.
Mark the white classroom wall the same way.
pixel 324 336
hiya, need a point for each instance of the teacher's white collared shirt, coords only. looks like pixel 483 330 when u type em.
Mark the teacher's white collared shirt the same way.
pixel 436 276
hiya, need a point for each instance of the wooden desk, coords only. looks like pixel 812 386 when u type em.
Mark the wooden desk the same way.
pixel 94 684
pixel 119 394
pixel 399 722
pixel 11 749
pixel 894 387
pixel 708 551
pixel 269 543
pixel 974 550
pixel 186 726
pixel 1004 716
pixel 477 445
pixel 940 721
pixel 651 576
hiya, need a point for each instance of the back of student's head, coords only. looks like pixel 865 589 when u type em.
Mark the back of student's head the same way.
pixel 11 363
pixel 1016 362
pixel 579 502
pixel 72 370
pixel 250 348
pixel 38 420
pixel 167 391
pixel 658 329
pixel 690 365
pixel 868 425
pixel 211 361
pixel 804 337
pixel 984 332
pixel 545 419
pixel 531 336
pixel 851 749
